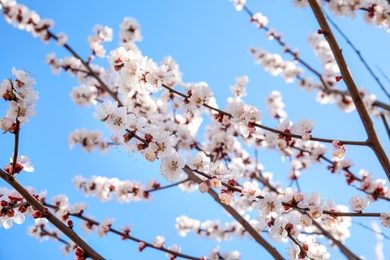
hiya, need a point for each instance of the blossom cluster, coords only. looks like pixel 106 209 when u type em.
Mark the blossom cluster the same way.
pixel 102 34
pixel 282 222
pixel 275 64
pixel 279 228
pixel 373 187
pixel 105 188
pixel 276 215
pixel 84 95
pixel 259 19
pixel 157 143
pixel 275 105
pixel 239 88
pixel 303 127
pixel 130 31
pixel 138 74
pixel 21 97
pixel 22 163
pixel 23 18
pixel 9 215
pixel 244 116
pixel 214 229
pixel 64 208
pixel 88 140
pixel 14 208
pixel 330 74
pixel 198 95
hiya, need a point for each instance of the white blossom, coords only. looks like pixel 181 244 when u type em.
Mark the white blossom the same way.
pixel 159 242
pixel 359 203
pixel 172 167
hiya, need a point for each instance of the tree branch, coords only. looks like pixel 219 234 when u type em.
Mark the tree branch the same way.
pixel 259 239
pixel 373 139
pixel 127 236
pixel 50 217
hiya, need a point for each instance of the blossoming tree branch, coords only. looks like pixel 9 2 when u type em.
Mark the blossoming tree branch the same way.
pixel 149 110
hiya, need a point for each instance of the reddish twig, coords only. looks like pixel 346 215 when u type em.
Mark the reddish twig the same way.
pixel 126 235
pixel 16 146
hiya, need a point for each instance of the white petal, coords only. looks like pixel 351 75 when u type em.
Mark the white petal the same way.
pixel 19 218
pixel 7 224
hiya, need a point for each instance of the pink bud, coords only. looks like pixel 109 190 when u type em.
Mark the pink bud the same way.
pixel 203 187
pixel 141 246
pixel 215 182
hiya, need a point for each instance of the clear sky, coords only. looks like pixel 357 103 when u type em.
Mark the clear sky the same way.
pixel 210 42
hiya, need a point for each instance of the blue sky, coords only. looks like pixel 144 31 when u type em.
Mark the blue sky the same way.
pixel 210 41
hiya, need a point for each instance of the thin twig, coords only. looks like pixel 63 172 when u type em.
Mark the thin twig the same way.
pixel 16 146
pixel 368 228
pixel 383 74
pixel 386 123
pixel 127 236
pixel 345 142
pixel 168 186
pixel 55 235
